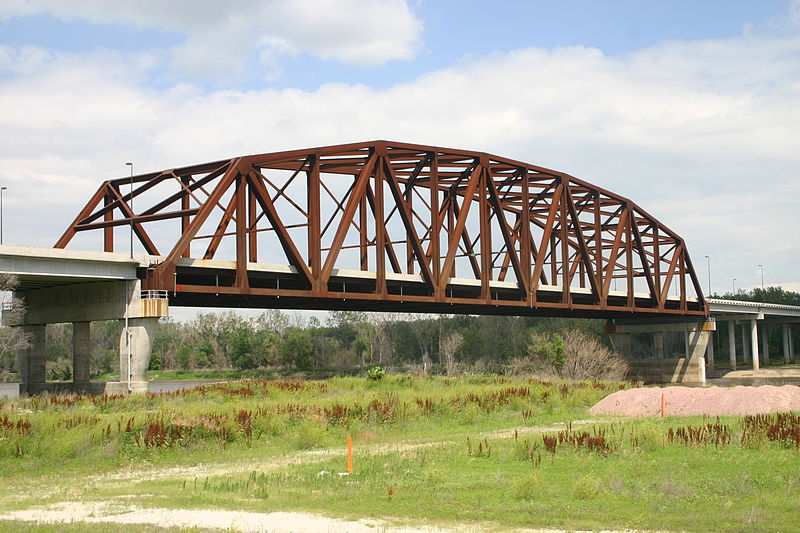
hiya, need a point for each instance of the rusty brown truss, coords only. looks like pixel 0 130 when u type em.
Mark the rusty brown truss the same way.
pixel 393 226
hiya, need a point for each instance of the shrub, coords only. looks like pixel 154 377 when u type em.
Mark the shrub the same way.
pixel 376 373
pixel 104 361
pixel 529 488
pixel 574 354
pixel 156 361
pixel 588 487
pixel 60 370
pixel 310 434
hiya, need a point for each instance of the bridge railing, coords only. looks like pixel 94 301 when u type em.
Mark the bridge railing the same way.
pixel 154 295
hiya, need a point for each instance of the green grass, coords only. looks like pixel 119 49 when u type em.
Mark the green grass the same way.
pixel 200 374
pixel 468 450
pixel 644 481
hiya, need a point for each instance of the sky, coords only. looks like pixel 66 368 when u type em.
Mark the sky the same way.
pixel 691 109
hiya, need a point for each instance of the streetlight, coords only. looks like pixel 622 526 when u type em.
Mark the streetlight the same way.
pixel 708 267
pixel 131 165
pixel 1 213
pixel 761 267
pixel 733 284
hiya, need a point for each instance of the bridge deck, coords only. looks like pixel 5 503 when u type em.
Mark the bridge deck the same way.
pixel 210 283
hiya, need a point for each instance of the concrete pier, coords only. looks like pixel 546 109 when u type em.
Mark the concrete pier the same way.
pixel 134 348
pixel 710 353
pixel 764 329
pixel 754 344
pixel 32 359
pixel 681 360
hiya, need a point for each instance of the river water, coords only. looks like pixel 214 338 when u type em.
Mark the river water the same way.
pixel 11 390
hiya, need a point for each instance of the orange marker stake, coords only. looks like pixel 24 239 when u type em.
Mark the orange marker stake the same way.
pixel 349 454
pixel 663 406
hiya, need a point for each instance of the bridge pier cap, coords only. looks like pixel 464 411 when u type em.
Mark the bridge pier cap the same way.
pixel 394 226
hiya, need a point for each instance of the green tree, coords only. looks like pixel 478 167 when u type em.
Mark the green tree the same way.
pixel 204 354
pixel 550 347
pixel 297 348
pixel 242 353
pixel 183 357
pixel 11 339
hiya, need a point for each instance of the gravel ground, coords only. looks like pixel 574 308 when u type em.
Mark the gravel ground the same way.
pixel 711 401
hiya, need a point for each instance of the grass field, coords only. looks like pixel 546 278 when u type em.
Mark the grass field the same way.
pixel 488 451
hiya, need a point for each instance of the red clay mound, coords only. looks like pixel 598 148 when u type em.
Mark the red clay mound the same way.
pixel 711 401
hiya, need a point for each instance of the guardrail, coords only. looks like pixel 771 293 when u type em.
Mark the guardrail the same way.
pixel 154 295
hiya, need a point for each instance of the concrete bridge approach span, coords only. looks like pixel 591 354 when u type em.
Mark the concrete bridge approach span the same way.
pixel 755 321
pixel 680 351
pixel 80 287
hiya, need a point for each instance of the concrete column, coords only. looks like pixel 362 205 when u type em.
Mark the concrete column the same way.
pixel 754 343
pixel 32 359
pixel 140 334
pixel 732 343
pixel 745 344
pixel 658 344
pixel 81 351
pixel 697 342
pixel 764 343
pixel 22 362
pixel 710 351
pixel 791 344
pixel 686 352
pixel 786 356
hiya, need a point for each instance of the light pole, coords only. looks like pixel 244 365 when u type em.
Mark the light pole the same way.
pixel 763 296
pixel 1 213
pixel 708 267
pixel 733 285
pixel 131 165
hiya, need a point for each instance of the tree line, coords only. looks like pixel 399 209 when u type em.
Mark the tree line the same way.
pixel 289 340
pixel 774 294
pixel 340 340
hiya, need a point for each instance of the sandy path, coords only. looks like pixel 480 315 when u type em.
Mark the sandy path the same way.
pixel 274 522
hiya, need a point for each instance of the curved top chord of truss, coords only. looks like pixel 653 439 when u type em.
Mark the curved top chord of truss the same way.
pixel 395 226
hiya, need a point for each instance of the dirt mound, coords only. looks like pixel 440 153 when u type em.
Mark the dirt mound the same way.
pixel 711 401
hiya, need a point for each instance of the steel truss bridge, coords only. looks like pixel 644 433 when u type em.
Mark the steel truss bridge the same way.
pixel 392 226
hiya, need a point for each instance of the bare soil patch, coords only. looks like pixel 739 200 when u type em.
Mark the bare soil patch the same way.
pixel 711 401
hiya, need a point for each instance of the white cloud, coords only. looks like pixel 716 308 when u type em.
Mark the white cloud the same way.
pixel 222 37
pixel 701 134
